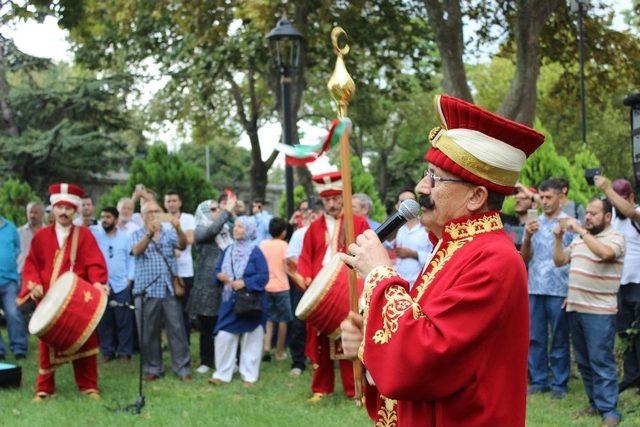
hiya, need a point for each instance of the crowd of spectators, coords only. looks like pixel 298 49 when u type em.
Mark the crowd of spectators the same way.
pixel 583 279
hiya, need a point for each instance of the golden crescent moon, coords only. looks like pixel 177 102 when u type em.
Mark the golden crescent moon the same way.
pixel 335 34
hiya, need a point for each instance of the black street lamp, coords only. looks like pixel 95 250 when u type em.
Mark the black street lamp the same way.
pixel 633 101
pixel 579 7
pixel 284 43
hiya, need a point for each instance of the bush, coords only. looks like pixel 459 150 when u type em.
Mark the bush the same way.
pixel 14 197
pixel 161 171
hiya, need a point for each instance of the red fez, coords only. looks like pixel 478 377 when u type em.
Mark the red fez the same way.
pixel 65 194
pixel 478 146
pixel 328 184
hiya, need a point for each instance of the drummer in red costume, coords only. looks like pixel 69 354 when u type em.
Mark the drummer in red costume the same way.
pixel 324 238
pixel 50 256
pixel 451 348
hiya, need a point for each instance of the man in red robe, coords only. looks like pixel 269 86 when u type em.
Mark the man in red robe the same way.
pixel 51 253
pixel 451 348
pixel 324 239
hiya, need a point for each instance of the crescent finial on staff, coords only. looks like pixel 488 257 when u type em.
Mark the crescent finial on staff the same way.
pixel 341 85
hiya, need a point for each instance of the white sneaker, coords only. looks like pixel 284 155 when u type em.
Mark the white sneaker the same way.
pixel 295 372
pixel 203 369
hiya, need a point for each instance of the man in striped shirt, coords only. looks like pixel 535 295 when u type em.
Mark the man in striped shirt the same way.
pixel 595 256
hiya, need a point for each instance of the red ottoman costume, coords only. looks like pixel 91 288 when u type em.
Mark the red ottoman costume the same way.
pixel 452 349
pixel 44 264
pixel 317 241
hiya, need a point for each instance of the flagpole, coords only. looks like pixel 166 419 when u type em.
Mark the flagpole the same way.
pixel 342 88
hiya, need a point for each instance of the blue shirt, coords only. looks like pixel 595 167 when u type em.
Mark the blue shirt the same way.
pixel 544 277
pixel 9 251
pixel 262 221
pixel 116 250
pixel 373 224
pixel 150 265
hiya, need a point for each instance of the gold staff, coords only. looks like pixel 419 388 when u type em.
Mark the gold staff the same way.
pixel 342 88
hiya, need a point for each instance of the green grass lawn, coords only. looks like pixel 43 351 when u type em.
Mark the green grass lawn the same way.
pixel 276 400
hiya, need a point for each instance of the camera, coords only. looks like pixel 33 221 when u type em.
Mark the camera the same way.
pixel 589 174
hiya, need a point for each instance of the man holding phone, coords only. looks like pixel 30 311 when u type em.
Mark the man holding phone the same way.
pixel 626 219
pixel 153 248
pixel 547 291
pixel 594 278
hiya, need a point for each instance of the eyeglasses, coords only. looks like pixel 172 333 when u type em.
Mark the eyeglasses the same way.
pixel 110 251
pixel 433 178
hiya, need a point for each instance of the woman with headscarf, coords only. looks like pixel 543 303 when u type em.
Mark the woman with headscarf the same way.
pixel 241 266
pixel 212 222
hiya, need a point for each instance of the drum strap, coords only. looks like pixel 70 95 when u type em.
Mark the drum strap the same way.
pixel 74 247
pixel 60 255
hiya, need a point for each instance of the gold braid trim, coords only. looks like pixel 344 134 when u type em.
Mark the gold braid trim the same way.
pixel 437 263
pixel 376 276
pixel 473 227
pixel 387 416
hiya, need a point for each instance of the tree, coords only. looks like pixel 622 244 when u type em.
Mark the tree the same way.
pixel 363 182
pixel 221 71
pixel 161 171
pixel 14 197
pixel 546 163
pixel 299 195
pixel 63 121
pixel 229 164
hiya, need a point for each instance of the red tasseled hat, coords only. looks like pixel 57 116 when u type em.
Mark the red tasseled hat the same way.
pixel 478 146
pixel 328 184
pixel 65 194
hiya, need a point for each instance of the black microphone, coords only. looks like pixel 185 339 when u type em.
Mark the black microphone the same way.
pixel 409 209
pixel 114 304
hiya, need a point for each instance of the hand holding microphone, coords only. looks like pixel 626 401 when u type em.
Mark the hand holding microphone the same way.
pixel 367 252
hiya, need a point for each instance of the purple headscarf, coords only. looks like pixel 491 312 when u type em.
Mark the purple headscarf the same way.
pixel 237 255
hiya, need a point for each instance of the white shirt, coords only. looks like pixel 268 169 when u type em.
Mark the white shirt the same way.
pixel 631 267
pixel 295 243
pixel 331 229
pixel 185 260
pixel 62 233
pixel 129 227
pixel 414 238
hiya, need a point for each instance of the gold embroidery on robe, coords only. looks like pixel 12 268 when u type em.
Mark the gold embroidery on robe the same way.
pixel 398 302
pixel 377 275
pixel 460 233
pixel 387 416
pixel 437 264
pixel 473 227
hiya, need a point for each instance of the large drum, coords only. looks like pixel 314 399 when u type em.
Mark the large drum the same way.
pixel 325 304
pixel 68 313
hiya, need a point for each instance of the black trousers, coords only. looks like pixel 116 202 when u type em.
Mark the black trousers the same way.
pixel 116 328
pixel 629 317
pixel 188 284
pixel 207 352
pixel 297 332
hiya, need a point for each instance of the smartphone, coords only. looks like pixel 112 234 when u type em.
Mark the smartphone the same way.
pixel 563 223
pixel 532 215
pixel 140 187
pixel 164 217
pixel 589 174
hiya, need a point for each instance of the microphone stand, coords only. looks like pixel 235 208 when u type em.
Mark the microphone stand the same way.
pixel 136 407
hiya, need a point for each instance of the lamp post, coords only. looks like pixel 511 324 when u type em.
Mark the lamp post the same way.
pixel 633 101
pixel 284 43
pixel 578 6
